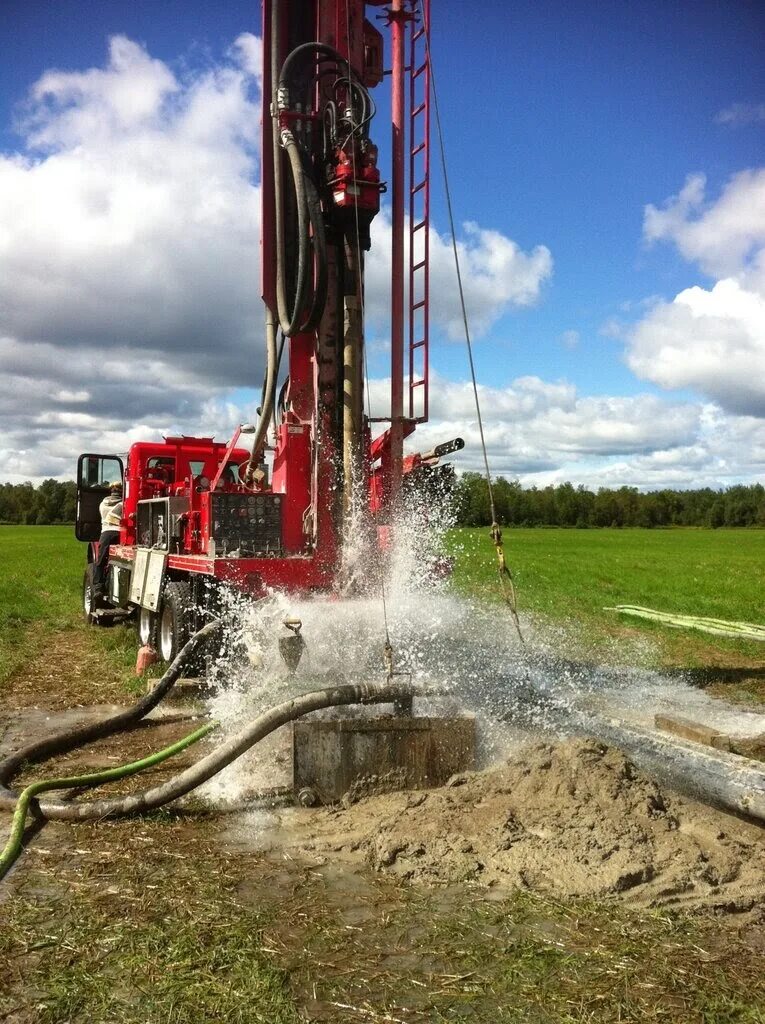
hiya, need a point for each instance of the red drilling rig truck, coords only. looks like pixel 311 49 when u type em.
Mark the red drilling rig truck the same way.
pixel 198 514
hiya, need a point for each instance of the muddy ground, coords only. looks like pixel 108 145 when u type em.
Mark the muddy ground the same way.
pixel 562 885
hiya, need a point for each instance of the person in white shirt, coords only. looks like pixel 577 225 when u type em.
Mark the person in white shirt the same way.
pixel 110 511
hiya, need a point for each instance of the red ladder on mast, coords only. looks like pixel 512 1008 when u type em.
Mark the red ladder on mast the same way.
pixel 419 215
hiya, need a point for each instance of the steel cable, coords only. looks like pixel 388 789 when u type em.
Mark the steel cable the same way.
pixel 505 576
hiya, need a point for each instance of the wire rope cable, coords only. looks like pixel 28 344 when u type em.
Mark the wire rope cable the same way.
pixel 506 579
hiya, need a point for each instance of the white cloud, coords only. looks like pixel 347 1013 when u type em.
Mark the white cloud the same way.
pixel 570 339
pixel 496 274
pixel 723 237
pixel 137 227
pixel 741 113
pixel 711 340
pixel 725 450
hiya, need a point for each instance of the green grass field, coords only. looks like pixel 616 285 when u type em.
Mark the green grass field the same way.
pixel 575 574
pixel 41 570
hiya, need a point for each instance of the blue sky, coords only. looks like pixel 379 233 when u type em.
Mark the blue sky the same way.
pixel 563 122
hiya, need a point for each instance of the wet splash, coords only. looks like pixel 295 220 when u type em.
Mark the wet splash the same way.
pixel 463 654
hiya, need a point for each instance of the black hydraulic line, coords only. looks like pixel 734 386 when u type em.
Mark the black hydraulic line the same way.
pixel 288 318
pixel 291 314
pixel 319 243
pixel 186 781
pixel 318 49
pixel 63 742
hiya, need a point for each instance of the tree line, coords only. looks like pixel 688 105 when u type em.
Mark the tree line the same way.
pixel 566 505
pixel 54 502
pixel 49 503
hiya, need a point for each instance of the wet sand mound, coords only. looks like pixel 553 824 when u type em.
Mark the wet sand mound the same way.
pixel 575 818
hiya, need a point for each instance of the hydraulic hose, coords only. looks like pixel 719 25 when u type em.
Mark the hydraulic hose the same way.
pixel 63 742
pixel 319 49
pixel 14 845
pixel 319 244
pixel 267 404
pixel 310 284
pixel 291 315
pixel 289 318
pixel 183 783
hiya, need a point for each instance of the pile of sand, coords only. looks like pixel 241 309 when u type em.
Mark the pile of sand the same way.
pixel 575 818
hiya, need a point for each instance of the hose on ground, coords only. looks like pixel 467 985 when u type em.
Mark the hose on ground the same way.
pixel 214 762
pixel 70 739
pixel 716 627
pixel 13 847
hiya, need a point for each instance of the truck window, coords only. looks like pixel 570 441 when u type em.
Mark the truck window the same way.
pixel 98 471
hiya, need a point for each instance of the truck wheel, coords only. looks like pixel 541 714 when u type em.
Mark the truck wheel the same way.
pixel 174 619
pixel 146 627
pixel 88 599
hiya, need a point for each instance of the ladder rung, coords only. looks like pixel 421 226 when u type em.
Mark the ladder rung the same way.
pixel 418 110
pixel 418 266
pixel 417 383
pixel 419 187
pixel 420 69
pixel 418 305
pixel 422 224
pixel 418 34
pixel 418 149
pixel 418 344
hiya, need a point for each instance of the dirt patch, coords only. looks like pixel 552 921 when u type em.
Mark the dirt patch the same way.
pixel 69 670
pixel 575 818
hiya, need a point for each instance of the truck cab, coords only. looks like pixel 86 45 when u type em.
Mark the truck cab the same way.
pixel 185 505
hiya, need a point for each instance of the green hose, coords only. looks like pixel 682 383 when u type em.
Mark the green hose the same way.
pixel 13 846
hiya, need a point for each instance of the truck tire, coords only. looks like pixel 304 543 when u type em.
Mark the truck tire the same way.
pixel 174 619
pixel 88 600
pixel 146 627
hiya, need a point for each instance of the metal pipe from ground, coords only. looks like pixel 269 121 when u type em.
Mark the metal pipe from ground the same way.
pixel 718 778
pixel 191 778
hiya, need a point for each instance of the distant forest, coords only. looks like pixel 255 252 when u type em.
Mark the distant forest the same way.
pixel 563 505
pixel 49 503
pixel 566 505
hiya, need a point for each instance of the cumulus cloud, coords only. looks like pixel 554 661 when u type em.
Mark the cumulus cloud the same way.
pixel 711 340
pixel 496 274
pixel 131 220
pixel 723 237
pixel 725 450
